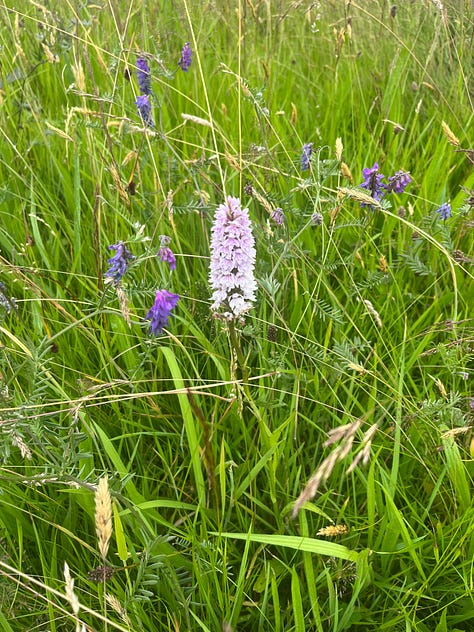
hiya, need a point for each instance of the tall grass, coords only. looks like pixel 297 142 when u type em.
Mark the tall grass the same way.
pixel 348 386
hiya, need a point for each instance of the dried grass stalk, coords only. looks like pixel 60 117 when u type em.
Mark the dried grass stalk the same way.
pixel 356 194
pixel 196 119
pixel 345 434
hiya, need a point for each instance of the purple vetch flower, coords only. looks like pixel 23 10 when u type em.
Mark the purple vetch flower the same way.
pixel 143 76
pixel 278 216
pixel 144 109
pixel 8 302
pixel 119 262
pixel 160 312
pixel 233 255
pixel 444 211
pixel 165 253
pixel 373 182
pixel 398 182
pixel 316 219
pixel 306 155
pixel 186 57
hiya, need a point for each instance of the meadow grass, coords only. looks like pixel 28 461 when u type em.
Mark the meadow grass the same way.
pixel 307 469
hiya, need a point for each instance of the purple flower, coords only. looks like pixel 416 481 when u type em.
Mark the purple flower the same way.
pixel 373 182
pixel 165 253
pixel 144 109
pixel 160 312
pixel 444 211
pixel 398 182
pixel 143 76
pixel 233 255
pixel 119 262
pixel 186 57
pixel 316 219
pixel 306 155
pixel 278 216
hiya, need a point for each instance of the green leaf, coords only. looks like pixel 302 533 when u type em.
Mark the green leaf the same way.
pixel 310 545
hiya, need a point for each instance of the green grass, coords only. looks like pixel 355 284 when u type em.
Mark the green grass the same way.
pixel 209 434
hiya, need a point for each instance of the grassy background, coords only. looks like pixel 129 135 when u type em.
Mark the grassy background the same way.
pixel 204 466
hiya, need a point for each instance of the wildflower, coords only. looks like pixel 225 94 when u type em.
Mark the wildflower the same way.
pixel 160 312
pixel 316 219
pixel 186 57
pixel 119 262
pixel 143 76
pixel 373 182
pixel 232 260
pixel 8 302
pixel 144 109
pixel 444 211
pixel 278 216
pixel 398 182
pixel 165 253
pixel 306 155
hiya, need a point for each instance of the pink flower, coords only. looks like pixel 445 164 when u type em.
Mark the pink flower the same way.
pixel 233 255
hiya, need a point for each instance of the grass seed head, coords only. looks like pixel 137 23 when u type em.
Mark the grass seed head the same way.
pixel 103 516
pixel 452 138
pixel 334 530
pixel 346 172
pixel 69 587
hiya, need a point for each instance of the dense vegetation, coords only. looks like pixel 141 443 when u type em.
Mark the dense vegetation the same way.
pixel 308 464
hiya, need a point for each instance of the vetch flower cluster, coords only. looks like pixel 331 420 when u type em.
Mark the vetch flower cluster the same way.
pixel 6 301
pixel 373 182
pixel 143 76
pixel 444 211
pixel 278 216
pixel 398 182
pixel 165 253
pixel 144 109
pixel 160 312
pixel 306 155
pixel 119 262
pixel 186 57
pixel 232 260
pixel 316 219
